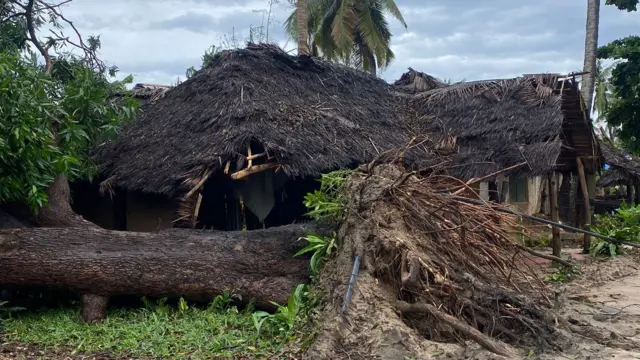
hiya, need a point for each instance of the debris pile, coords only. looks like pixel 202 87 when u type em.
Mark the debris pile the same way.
pixel 435 270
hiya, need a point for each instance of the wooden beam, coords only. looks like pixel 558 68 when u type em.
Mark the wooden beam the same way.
pixel 586 243
pixel 556 242
pixel 252 170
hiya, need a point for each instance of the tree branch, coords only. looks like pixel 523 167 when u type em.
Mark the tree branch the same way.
pixel 34 40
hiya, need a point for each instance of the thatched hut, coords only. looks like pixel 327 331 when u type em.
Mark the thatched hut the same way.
pixel 254 130
pixel 622 169
pixel 496 124
pixel 86 199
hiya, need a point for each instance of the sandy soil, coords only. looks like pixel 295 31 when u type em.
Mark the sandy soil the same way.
pixel 604 305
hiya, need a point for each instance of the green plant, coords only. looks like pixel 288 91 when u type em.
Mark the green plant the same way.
pixel 329 202
pixel 285 317
pixel 564 273
pixel 321 247
pixel 157 331
pixel 623 224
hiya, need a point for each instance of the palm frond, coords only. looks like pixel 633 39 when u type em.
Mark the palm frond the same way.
pixel 342 27
pixel 392 8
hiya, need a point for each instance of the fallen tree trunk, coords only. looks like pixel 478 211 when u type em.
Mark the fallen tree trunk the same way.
pixel 99 263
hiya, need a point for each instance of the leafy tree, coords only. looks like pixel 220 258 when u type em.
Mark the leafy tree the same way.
pixel 624 110
pixel 354 32
pixel 621 108
pixel 51 114
pixel 628 5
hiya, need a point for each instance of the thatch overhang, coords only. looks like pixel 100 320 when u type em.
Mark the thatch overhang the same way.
pixel 308 115
pixel 624 168
pixel 494 124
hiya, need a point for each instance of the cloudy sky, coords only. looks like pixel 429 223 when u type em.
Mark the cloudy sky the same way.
pixel 158 40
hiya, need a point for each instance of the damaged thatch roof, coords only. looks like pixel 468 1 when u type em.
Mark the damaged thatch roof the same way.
pixel 413 82
pixel 495 124
pixel 624 168
pixel 310 115
pixel 145 93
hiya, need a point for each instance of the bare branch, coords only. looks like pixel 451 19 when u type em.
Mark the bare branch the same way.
pixel 80 44
pixel 34 40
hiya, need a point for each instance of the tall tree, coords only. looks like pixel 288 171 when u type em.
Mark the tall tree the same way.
pixel 590 52
pixel 354 32
pixel 301 21
pixel 622 107
pixel 51 114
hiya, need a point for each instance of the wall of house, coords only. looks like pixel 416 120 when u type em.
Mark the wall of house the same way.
pixel 149 212
pixel 533 201
pixel 87 201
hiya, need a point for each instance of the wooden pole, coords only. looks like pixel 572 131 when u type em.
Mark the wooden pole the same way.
pixel 556 242
pixel 586 243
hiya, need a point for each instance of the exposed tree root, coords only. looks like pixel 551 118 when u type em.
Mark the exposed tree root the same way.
pixel 435 272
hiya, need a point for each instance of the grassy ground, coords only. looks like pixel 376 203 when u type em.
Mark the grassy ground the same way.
pixel 157 331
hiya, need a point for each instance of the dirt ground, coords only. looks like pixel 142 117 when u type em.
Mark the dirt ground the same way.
pixel 603 305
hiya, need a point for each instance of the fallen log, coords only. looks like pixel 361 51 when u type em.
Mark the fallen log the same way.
pixel 198 265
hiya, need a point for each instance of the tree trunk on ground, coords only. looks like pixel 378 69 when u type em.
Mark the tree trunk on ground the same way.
pixel 590 53
pixel 197 265
pixel 301 21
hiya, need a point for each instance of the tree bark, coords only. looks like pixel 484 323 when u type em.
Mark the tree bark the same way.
pixel 58 212
pixel 302 22
pixel 194 264
pixel 590 53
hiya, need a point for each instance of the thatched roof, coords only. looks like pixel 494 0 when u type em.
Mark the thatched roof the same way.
pixel 624 168
pixel 311 115
pixel 499 123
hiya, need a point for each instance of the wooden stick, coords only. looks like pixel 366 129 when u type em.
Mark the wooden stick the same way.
pixel 253 157
pixel 586 243
pixel 249 156
pixel 226 167
pixel 545 256
pixel 471 333
pixel 556 242
pixel 473 181
pixel 197 210
pixel 255 169
pixel 199 184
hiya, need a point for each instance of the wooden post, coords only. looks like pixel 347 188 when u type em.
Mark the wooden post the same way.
pixel 586 243
pixel 556 242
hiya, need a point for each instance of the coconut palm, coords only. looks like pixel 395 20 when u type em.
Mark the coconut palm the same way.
pixel 590 52
pixel 301 19
pixel 603 99
pixel 352 31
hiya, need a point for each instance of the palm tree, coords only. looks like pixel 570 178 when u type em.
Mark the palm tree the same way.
pixel 301 20
pixel 590 52
pixel 603 100
pixel 352 31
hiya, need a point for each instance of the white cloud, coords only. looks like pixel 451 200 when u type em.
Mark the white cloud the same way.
pixel 157 41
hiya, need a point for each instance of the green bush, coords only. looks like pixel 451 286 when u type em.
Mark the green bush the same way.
pixel 623 224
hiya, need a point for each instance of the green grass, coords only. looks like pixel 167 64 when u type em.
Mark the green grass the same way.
pixel 154 331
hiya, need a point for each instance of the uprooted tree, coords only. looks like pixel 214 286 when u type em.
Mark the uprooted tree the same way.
pixel 197 265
